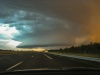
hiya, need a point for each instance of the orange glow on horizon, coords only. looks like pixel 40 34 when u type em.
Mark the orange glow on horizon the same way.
pixel 38 49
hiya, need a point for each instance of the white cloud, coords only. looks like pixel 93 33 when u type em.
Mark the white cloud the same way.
pixel 7 31
pixel 8 44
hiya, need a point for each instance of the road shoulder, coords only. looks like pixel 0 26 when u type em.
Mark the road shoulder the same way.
pixel 79 57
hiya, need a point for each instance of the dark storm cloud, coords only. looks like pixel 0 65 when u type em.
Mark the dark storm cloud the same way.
pixel 37 28
pixel 66 8
pixel 46 45
pixel 51 21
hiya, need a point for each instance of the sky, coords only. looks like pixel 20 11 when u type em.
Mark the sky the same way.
pixel 49 24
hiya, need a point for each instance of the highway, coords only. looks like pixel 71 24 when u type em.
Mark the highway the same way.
pixel 41 60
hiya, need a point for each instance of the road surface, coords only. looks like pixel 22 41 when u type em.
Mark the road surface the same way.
pixel 40 60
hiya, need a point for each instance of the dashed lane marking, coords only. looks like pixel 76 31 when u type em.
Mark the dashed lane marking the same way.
pixel 48 56
pixel 14 66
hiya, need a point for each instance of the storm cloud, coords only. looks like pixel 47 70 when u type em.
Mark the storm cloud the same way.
pixel 49 23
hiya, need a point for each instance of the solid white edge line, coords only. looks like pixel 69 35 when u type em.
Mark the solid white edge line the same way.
pixel 48 56
pixel 14 66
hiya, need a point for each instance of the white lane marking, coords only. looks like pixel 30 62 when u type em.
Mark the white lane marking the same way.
pixel 48 56
pixel 0 58
pixel 32 56
pixel 14 66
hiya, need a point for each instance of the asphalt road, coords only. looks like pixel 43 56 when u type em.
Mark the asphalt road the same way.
pixel 40 60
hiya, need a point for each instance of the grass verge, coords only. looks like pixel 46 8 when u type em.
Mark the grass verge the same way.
pixel 86 55
pixel 13 52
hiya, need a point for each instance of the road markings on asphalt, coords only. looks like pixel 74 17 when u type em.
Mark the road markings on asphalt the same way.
pixel 0 58
pixel 14 66
pixel 32 56
pixel 48 56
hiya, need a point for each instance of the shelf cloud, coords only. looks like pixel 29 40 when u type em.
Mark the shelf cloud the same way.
pixel 51 23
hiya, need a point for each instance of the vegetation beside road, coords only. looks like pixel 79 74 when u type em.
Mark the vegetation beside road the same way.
pixel 7 52
pixel 90 50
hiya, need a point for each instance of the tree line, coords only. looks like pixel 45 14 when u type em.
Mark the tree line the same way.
pixel 5 50
pixel 92 48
